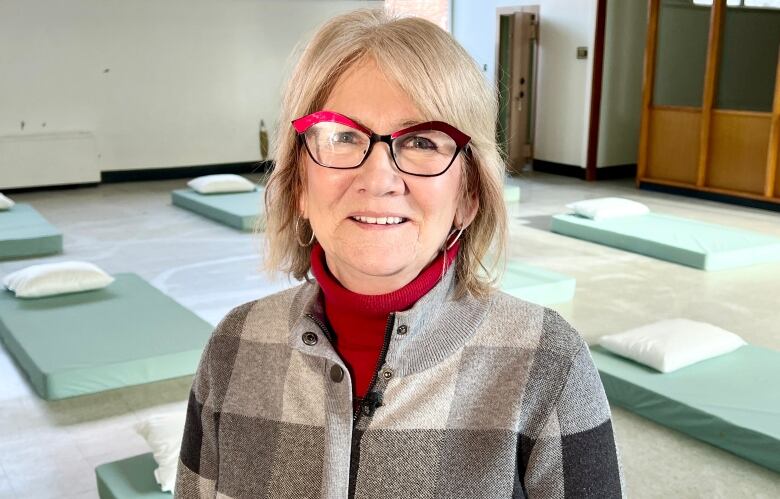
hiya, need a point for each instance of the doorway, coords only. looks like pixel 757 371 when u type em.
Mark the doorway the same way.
pixel 517 33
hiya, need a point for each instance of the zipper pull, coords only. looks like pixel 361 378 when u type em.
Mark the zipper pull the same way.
pixel 371 402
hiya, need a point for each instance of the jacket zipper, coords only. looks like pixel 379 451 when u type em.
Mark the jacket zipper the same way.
pixel 358 411
pixel 354 459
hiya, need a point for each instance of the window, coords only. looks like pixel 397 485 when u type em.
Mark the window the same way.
pixel 755 4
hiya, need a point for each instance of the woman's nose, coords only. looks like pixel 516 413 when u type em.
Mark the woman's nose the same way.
pixel 378 175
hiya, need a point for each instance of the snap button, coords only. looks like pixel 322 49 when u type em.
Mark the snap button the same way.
pixel 336 373
pixel 387 374
pixel 402 330
pixel 309 338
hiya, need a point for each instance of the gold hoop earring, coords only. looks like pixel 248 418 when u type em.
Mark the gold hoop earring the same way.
pixel 298 236
pixel 452 243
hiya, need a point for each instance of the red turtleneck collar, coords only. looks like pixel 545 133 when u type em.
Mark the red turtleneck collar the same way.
pixel 359 321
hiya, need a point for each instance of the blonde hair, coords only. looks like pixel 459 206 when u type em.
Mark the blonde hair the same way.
pixel 445 84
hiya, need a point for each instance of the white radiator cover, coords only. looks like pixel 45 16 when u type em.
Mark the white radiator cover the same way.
pixel 35 160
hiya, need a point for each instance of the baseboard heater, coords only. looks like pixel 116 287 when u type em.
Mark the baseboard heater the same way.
pixel 48 159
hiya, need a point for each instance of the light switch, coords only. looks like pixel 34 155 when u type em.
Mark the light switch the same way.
pixel 582 52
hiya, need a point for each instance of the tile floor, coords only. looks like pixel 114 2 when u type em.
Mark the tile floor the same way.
pixel 50 449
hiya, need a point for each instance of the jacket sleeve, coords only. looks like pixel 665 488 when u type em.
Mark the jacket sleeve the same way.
pixel 198 461
pixel 575 453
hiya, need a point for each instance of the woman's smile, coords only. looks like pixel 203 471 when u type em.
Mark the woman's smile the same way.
pixel 380 221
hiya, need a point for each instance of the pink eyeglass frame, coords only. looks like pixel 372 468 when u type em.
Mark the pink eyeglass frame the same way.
pixel 305 122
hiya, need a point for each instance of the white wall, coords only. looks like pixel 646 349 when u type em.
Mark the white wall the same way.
pixel 159 83
pixel 621 88
pixel 563 81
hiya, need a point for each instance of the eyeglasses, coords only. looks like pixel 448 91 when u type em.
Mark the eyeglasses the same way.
pixel 335 141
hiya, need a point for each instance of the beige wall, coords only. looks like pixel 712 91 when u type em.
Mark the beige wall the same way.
pixel 159 83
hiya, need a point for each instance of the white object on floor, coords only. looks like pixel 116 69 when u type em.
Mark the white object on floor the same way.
pixel 221 183
pixel 163 433
pixel 603 208
pixel 672 344
pixel 50 279
pixel 5 202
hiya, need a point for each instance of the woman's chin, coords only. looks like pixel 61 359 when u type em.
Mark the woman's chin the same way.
pixel 385 265
pixel 378 264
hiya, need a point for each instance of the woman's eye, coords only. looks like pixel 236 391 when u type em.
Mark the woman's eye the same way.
pixel 418 142
pixel 342 138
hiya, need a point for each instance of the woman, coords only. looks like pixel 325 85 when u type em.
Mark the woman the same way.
pixel 400 371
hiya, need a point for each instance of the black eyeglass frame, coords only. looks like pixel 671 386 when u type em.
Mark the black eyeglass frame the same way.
pixel 303 123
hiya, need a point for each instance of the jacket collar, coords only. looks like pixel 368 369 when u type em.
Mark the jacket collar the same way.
pixel 437 326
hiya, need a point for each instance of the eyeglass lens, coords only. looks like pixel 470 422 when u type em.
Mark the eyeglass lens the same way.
pixel 422 152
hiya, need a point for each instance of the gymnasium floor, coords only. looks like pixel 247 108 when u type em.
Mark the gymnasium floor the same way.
pixel 50 449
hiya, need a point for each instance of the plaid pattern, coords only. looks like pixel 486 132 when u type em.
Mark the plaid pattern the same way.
pixel 493 398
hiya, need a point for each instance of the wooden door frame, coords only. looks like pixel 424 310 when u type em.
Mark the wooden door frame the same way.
pixel 594 120
pixel 774 140
pixel 510 10
pixel 710 88
pixel 648 82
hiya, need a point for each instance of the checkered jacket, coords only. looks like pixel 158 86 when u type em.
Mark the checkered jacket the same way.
pixel 494 398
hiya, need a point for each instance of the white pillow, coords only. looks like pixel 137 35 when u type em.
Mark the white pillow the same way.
pixel 210 184
pixel 56 278
pixel 603 208
pixel 163 433
pixel 672 344
pixel 5 203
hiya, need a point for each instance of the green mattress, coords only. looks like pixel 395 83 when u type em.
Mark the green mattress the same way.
pixel 731 401
pixel 25 233
pixel 537 285
pixel 128 333
pixel 688 242
pixel 129 478
pixel 239 210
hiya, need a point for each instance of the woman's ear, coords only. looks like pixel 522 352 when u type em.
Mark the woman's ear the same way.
pixel 467 211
